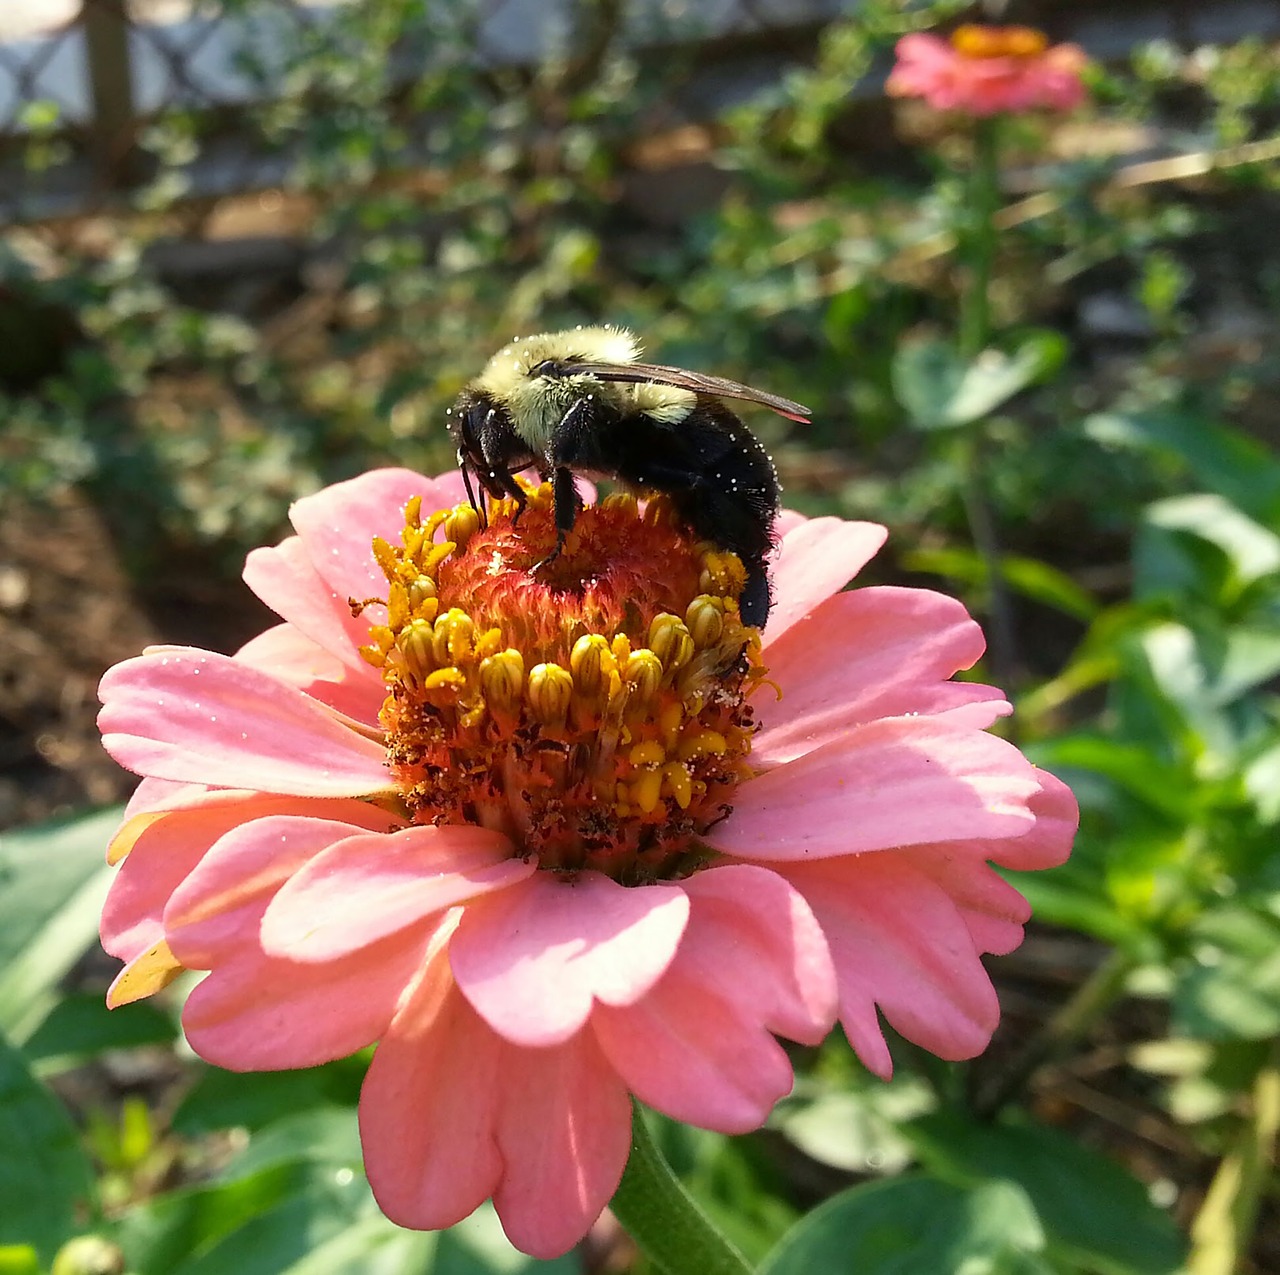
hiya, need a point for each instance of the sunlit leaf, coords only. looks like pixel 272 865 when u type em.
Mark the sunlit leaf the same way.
pixel 1223 459
pixel 915 1226
pixel 855 1127
pixel 53 879
pixel 1028 576
pixel 1092 1211
pixel 19 1259
pixel 942 390
pixel 1233 987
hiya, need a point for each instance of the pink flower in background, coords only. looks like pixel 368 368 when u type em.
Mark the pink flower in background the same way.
pixel 984 70
pixel 554 839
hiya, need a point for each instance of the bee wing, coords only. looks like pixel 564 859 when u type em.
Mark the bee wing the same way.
pixel 697 382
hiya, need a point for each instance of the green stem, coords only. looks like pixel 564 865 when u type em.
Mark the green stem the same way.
pixel 1088 1003
pixel 662 1217
pixel 1223 1230
pixel 980 239
pixel 975 335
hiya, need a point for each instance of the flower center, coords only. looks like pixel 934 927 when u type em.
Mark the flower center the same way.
pixel 592 707
pixel 973 41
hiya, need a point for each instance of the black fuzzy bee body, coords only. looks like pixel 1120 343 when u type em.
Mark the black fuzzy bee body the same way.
pixel 579 403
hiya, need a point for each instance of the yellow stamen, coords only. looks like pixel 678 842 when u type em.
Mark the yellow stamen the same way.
pixel 550 690
pixel 593 708
pixel 593 666
pixel 974 41
pixel 502 680
pixel 670 641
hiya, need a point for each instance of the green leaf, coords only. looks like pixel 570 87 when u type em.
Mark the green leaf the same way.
pixel 295 1235
pixel 854 1126
pixel 81 1025
pixel 1138 771
pixel 227 1100
pixel 915 1226
pixel 19 1259
pixel 327 1136
pixel 1262 783
pixel 1029 576
pixel 1252 550
pixel 1093 1212
pixel 478 1246
pixel 53 880
pixel 941 390
pixel 1223 459
pixel 46 1180
pixel 1232 990
pixel 158 1235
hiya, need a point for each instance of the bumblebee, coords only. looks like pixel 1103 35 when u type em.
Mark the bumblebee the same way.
pixel 581 402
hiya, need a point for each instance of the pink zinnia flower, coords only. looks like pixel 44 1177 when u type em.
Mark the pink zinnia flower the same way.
pixel 556 838
pixel 989 71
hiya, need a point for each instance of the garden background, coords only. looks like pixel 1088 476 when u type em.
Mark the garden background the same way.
pixel 251 247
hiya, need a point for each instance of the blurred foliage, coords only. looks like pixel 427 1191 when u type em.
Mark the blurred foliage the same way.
pixel 442 202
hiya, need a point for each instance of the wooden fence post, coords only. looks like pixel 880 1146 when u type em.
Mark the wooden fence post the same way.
pixel 106 41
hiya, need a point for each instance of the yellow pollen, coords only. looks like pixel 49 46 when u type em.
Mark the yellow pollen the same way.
pixel 445 677
pixel 973 41
pixel 647 791
pixel 647 754
pixel 676 783
pixel 594 706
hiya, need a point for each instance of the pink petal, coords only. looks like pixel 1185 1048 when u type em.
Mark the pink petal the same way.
pixel 869 653
pixel 285 578
pixel 564 1132
pixel 900 943
pixel 815 560
pixel 286 654
pixel 157 794
pixel 260 1013
pixel 186 714
pixel 166 846
pixel 449 490
pixel 534 959
pixel 780 972
pixel 363 888
pixel 787 520
pixel 1049 842
pixel 900 782
pixel 993 910
pixel 218 909
pixel 429 1105
pixel 752 961
pixel 687 1051
pixel 337 526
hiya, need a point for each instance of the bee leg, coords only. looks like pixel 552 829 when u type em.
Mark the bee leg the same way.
pixel 513 489
pixel 565 506
pixel 756 598
pixel 480 506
